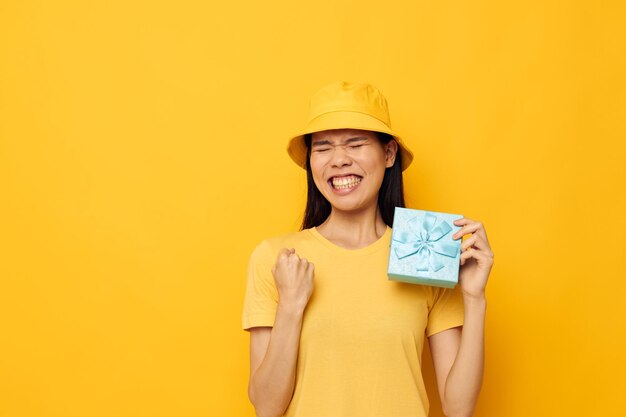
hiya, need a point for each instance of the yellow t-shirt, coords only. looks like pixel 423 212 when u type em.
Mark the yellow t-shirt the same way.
pixel 362 334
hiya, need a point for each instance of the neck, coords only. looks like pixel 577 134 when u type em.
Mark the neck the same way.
pixel 354 229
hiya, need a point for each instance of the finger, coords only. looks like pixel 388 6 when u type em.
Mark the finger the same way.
pixel 467 228
pixel 481 244
pixel 474 227
pixel 479 256
pixel 283 254
pixel 466 255
pixel 284 251
pixel 310 268
pixel 483 259
pixel 476 242
pixel 462 221
pixel 304 265
pixel 469 242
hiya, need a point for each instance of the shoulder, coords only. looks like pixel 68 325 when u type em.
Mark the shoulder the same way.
pixel 445 297
pixel 269 247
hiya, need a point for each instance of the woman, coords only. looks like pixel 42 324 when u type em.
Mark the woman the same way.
pixel 330 335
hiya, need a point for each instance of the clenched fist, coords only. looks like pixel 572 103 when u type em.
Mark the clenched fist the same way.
pixel 294 279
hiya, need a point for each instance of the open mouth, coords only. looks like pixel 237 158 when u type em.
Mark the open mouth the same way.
pixel 345 182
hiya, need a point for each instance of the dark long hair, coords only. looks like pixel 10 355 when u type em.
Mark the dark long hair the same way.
pixel 390 195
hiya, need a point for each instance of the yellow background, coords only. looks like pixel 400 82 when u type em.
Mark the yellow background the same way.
pixel 142 158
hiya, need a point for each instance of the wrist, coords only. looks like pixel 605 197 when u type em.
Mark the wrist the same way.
pixel 290 308
pixel 475 299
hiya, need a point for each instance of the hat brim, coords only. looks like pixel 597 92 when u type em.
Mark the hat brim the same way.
pixel 296 147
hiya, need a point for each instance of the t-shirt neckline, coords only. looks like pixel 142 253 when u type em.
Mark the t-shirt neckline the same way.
pixel 382 242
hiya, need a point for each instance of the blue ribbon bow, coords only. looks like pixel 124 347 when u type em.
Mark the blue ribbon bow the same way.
pixel 424 240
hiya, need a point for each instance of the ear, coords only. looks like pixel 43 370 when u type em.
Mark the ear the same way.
pixel 391 150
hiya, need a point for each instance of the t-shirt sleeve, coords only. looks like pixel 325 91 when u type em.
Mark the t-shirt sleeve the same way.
pixel 446 310
pixel 261 298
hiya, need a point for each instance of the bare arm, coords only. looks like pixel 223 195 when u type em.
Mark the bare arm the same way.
pixel 273 355
pixel 458 358
pixel 274 350
pixel 458 353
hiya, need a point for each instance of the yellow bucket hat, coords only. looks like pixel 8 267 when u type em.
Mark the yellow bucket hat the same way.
pixel 343 105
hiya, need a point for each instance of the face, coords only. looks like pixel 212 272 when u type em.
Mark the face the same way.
pixel 348 166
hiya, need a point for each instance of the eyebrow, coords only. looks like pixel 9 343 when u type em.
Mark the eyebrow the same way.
pixel 347 141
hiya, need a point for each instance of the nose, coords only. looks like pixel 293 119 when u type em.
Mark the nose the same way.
pixel 340 157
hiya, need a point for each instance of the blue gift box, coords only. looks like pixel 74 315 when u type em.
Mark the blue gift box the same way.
pixel 422 249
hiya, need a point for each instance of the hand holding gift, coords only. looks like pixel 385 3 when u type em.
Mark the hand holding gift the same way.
pixel 476 257
pixel 426 248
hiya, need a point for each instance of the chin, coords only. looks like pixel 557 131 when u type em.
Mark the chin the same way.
pixel 348 205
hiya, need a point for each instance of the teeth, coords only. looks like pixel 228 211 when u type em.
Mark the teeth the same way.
pixel 341 183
